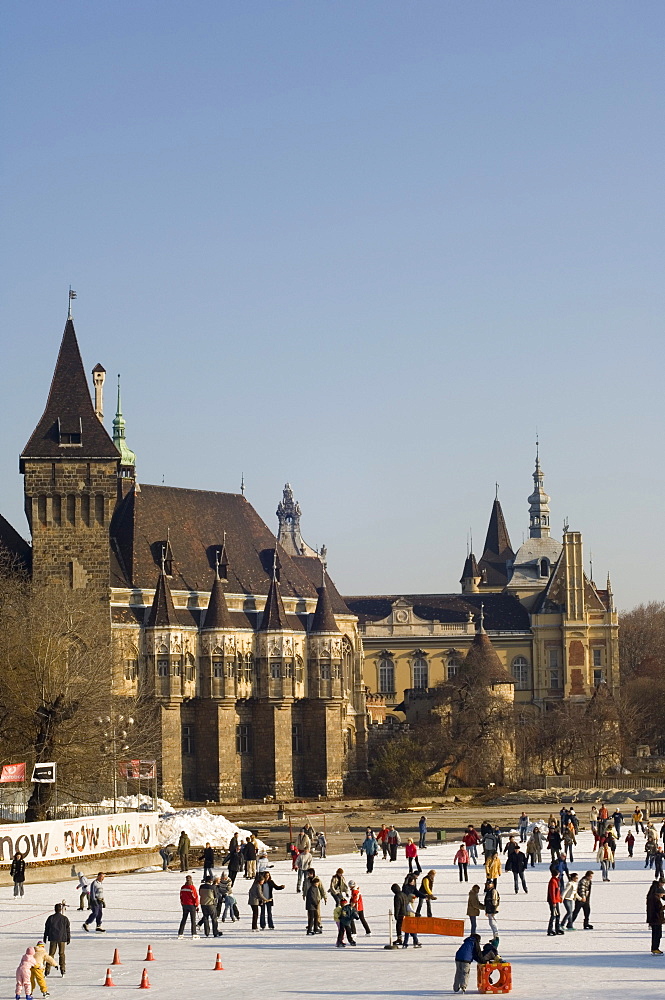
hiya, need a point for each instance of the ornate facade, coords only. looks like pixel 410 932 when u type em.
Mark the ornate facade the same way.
pixel 247 652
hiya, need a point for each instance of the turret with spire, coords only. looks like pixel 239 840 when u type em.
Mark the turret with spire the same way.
pixel 496 561
pixel 288 534
pixel 539 509
pixel 127 456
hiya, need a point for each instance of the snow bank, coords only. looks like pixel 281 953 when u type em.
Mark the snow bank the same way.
pixel 201 827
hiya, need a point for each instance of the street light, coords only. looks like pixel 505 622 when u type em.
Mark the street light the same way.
pixel 114 729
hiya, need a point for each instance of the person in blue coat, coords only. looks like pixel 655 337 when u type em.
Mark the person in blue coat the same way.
pixel 370 848
pixel 422 830
pixel 468 952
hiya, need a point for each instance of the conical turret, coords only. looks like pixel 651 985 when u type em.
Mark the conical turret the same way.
pixel 162 613
pixel 274 616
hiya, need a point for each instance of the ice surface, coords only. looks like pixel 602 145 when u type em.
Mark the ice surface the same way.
pixel 612 960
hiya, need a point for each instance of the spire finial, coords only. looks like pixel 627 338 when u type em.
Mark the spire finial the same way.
pixel 242 483
pixel 274 563
pixel 482 617
pixel 72 296
pixel 591 565
pixel 323 556
pixel 496 494
pixel 217 559
pixel 471 537
pixel 118 412
pixel 163 560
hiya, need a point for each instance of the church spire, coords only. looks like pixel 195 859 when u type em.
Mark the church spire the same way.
pixel 494 564
pixel 162 613
pixel 288 534
pixel 539 509
pixel 217 615
pixel 127 457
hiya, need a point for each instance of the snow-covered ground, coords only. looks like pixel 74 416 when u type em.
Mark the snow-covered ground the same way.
pixel 612 960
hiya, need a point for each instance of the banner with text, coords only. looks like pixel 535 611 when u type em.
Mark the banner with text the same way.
pixel 12 772
pixel 71 838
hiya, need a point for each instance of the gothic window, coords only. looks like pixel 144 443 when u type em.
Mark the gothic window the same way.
pixel 230 669
pixel 420 673
pixel 275 671
pixel 249 667
pixel 243 739
pixel 386 676
pixel 288 668
pixel 217 668
pixel 520 669
pixel 190 669
pixel 163 668
pixel 325 669
pixel 296 738
pixel 544 567
pixel 131 670
pixel 177 666
pixel 452 668
pixel 347 663
pixel 188 740
pixel 299 669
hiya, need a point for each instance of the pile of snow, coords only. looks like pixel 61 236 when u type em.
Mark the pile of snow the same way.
pixel 131 802
pixel 201 827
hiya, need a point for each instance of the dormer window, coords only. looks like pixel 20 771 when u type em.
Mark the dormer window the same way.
pixel 70 432
pixel 544 567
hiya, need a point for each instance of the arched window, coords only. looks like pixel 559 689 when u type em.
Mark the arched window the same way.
pixel 420 673
pixel 454 664
pixel 520 668
pixel 544 567
pixel 386 676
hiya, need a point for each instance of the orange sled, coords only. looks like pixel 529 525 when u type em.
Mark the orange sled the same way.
pixel 433 925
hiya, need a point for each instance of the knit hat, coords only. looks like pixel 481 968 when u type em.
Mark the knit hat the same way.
pixel 352 884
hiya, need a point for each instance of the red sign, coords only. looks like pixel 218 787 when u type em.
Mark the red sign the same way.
pixel 13 772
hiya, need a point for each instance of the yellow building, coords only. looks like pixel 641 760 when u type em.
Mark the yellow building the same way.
pixel 554 631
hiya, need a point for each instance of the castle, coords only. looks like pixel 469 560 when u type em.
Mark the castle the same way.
pixel 239 639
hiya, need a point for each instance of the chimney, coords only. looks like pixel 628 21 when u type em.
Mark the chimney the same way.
pixel 98 376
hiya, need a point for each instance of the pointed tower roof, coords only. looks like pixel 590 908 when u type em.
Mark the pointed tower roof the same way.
pixel 217 615
pixel 470 568
pixel 539 504
pixel 274 616
pixel 483 657
pixel 127 456
pixel 324 619
pixel 162 613
pixel 69 425
pixel 498 550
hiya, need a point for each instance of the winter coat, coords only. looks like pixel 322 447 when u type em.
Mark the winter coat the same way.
pixel 235 861
pixel 347 915
pixel 492 901
pixel 469 951
pixel 553 891
pixel 584 888
pixel 411 851
pixel 471 837
pixel 393 837
pixel 17 870
pixel 183 844
pixel 485 827
pixel 426 887
pixel 554 840
pixel 188 895
pixel 57 928
pixel 303 862
pixel 357 900
pixel 462 857
pixel 531 849
pixel 537 837
pixel 655 909
pixel 490 843
pixel 269 887
pixel 97 892
pixel 255 896
pixel 314 895
pixel 338 886
pixel 516 862
pixel 630 839
pixel 399 902
pixel 382 835
pixel 493 866
pixel 422 825
pixel 474 906
pixel 42 958
pixel 303 842
pixel 250 851
pixel 83 884
pixel 208 856
pixel 570 892
pixel 207 894
pixel 511 846
pixel 223 887
pixel 370 846
pixel 604 853
pixel 569 838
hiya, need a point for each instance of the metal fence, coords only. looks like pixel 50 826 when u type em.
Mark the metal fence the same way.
pixel 16 813
pixel 569 781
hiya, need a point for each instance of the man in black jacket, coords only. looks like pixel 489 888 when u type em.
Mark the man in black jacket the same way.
pixel 57 933
pixel 516 864
pixel 399 909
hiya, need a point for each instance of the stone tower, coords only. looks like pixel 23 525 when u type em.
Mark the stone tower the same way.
pixel 70 465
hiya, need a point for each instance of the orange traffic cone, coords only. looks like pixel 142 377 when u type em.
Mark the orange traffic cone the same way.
pixel 150 957
pixel 108 981
pixel 145 982
pixel 218 964
pixel 116 958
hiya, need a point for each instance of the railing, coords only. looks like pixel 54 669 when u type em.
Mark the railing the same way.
pixel 568 781
pixel 16 813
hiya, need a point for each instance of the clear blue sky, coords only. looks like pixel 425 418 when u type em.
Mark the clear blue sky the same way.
pixel 366 247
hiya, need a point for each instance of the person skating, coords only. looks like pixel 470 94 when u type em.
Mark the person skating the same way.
pixel 42 960
pixel 656 915
pixel 493 868
pixel 382 838
pixel 394 841
pixel 399 910
pixel 314 896
pixel 322 844
pixel 370 848
pixel 230 908
pixel 303 863
pixel 356 901
pixel 630 840
pixel 604 858
pixel 57 932
pixel 531 852
pixel 250 853
pixel 523 826
pixel 584 901
pixel 304 841
pixel 422 833
pixel 256 900
pixel 208 904
pixel 560 868
pixel 234 862
pixel 617 819
pixel 474 907
pixel 468 952
pixel 658 862
pixel 471 840
pixel 516 863
pixel 491 903
pixel 23 974
pixel 344 915
pixel 426 893
pixel 208 859
pixel 569 841
pixel 410 896
pixel 189 900
pixel 569 897
pixel 338 886
pixel 554 899
pixel 97 903
pixel 490 842
pixel 554 843
pixel 510 847
pixel 83 887
pixel 183 851
pixel 462 861
pixel 17 873
pixel 411 853
pixel 223 887
pixel 269 889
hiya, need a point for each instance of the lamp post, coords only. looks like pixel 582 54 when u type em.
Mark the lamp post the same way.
pixel 114 730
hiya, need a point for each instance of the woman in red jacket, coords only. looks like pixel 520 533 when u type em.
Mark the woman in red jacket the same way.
pixel 471 840
pixel 411 852
pixel 462 861
pixel 189 900
pixel 554 899
pixel 358 905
